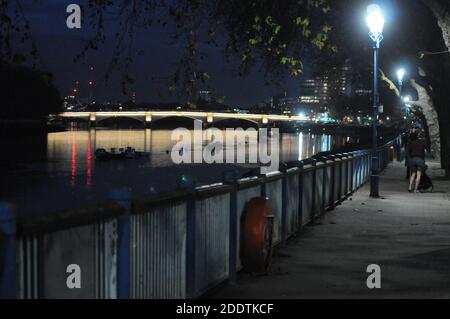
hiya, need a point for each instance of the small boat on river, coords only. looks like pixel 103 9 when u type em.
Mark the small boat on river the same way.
pixel 121 153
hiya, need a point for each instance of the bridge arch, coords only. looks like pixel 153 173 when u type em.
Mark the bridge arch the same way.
pixel 172 122
pixel 119 118
pixel 234 123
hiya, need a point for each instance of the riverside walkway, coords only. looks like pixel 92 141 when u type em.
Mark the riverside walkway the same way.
pixel 407 235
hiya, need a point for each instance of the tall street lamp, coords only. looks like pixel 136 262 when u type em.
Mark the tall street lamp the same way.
pixel 375 22
pixel 91 94
pixel 400 75
pixel 406 100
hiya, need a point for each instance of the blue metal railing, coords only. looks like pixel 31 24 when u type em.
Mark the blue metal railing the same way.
pixel 176 245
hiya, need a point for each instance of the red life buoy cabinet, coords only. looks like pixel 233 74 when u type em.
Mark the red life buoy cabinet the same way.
pixel 258 235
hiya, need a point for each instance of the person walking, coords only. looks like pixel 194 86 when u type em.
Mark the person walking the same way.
pixel 416 160
pixel 406 142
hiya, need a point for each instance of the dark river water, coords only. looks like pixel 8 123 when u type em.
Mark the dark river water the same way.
pixel 58 171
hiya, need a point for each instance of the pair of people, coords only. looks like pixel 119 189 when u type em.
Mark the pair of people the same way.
pixel 416 160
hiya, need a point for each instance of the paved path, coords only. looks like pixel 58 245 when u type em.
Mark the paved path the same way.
pixel 408 235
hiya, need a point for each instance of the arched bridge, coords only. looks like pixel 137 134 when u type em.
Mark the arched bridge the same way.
pixel 207 117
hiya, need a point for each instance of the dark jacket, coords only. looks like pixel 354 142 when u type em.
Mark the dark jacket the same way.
pixel 417 148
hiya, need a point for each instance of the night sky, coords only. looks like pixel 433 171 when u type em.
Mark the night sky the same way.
pixel 58 45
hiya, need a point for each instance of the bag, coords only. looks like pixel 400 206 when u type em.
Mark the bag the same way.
pixel 425 183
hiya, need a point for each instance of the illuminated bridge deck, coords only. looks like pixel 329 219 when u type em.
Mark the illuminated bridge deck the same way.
pixel 209 117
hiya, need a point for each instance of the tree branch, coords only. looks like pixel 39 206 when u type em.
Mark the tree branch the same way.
pixel 391 83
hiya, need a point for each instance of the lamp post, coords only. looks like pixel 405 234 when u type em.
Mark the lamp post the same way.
pixel 375 22
pixel 400 75
pixel 91 94
pixel 406 100
pixel 91 85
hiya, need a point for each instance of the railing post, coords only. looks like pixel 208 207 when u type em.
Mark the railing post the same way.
pixel 352 172
pixel 8 251
pixel 339 182
pixel 324 184
pixel 191 220
pixel 232 178
pixel 284 201
pixel 263 186
pixel 347 172
pixel 233 236
pixel 353 167
pixel 313 209
pixel 333 180
pixel 300 197
pixel 123 198
pixel 190 247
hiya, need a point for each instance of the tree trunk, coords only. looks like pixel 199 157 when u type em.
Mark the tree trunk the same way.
pixel 441 11
pixel 426 106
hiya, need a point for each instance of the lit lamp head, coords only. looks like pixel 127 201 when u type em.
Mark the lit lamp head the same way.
pixel 407 99
pixel 400 74
pixel 375 22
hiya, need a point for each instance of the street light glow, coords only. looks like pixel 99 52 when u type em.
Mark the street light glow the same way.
pixel 407 99
pixel 400 74
pixel 375 21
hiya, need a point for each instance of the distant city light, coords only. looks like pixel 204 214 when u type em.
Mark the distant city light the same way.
pixel 91 83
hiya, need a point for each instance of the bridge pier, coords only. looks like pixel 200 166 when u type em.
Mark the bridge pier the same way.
pixel 148 119
pixel 92 120
pixel 147 125
pixel 265 120
pixel 210 118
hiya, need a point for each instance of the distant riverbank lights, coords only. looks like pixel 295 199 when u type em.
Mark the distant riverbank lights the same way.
pixel 232 146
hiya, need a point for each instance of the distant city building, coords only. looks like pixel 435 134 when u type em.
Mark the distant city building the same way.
pixel 275 101
pixel 363 92
pixel 316 93
pixel 71 102
pixel 205 95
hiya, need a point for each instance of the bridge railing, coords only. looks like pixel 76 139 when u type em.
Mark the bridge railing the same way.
pixel 177 245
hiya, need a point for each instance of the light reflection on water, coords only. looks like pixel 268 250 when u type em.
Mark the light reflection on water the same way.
pixel 73 151
pixel 67 175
